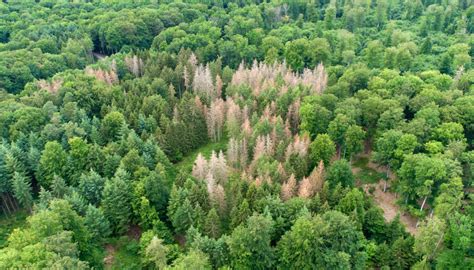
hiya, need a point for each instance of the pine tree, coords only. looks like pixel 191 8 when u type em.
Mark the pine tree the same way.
pixel 233 152
pixel 288 189
pixel 22 190
pixel 212 224
pixel 52 162
pixel 58 187
pixel 239 214
pixel 202 83
pixel 221 169
pixel 306 189
pixel 91 186
pixel 96 223
pixel 200 167
pixel 233 118
pixel 156 253
pixel 116 203
pixel 215 119
pixel 184 217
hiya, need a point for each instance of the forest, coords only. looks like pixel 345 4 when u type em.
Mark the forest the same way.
pixel 247 134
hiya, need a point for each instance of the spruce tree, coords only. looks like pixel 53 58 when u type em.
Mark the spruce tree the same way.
pixel 96 223
pixel 116 203
pixel 22 190
pixel 212 224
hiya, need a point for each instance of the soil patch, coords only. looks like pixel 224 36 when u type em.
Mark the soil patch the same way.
pixel 387 201
pixel 109 258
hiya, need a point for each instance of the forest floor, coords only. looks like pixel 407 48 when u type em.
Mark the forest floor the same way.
pixel 122 252
pixel 371 178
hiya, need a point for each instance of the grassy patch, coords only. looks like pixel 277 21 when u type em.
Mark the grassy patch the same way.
pixel 125 253
pixel 8 223
pixel 365 174
pixel 206 150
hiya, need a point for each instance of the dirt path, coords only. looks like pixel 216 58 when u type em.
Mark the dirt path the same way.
pixel 387 201
pixel 109 258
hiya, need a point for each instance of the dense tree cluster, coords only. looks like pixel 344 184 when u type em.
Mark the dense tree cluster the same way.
pixel 102 102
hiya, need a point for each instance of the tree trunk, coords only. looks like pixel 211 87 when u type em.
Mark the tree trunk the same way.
pixel 6 204
pixel 423 204
pixel 13 201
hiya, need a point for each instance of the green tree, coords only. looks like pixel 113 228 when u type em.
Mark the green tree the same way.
pixel 184 217
pixel 51 163
pixel 59 187
pixel 194 259
pixel 353 141
pixel 96 223
pixel 340 172
pixel 156 253
pixel 338 127
pixel 116 202
pixel 419 175
pixel 314 118
pixel 91 186
pixel 78 157
pixel 330 16
pixel 239 214
pixel 333 235
pixel 322 148
pixel 297 54
pixel 249 244
pixel 22 190
pixel 430 238
pixel 212 224
pixel 374 54
pixel 112 125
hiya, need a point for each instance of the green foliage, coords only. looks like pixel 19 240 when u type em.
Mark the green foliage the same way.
pixel 105 105
pixel 337 240
pixel 112 125
pixel 96 223
pixel 322 148
pixel 22 190
pixel 51 163
pixel 52 238
pixel 116 199
pixel 194 259
pixel 340 172
pixel 249 244
pixel 91 186
pixel 155 253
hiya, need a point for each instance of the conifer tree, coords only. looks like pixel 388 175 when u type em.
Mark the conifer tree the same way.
pixel 58 187
pixel 91 186
pixel 239 214
pixel 212 224
pixel 96 223
pixel 22 190
pixel 116 202
pixel 52 162
pixel 156 253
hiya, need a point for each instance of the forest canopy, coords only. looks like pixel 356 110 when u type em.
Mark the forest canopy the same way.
pixel 278 134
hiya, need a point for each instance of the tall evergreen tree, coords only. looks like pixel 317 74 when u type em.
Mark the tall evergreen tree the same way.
pixel 116 202
pixel 22 190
